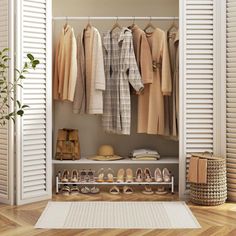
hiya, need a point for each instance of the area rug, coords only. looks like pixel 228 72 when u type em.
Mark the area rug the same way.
pixel 117 215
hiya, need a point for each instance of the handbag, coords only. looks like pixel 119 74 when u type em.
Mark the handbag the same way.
pixel 68 147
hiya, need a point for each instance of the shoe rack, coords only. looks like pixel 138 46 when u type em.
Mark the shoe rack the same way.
pixel 153 183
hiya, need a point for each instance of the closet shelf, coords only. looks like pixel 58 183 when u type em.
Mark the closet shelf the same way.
pixel 163 160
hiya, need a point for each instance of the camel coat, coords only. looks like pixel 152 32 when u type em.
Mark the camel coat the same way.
pixel 172 38
pixel 91 76
pixel 65 65
pixel 152 119
pixel 144 60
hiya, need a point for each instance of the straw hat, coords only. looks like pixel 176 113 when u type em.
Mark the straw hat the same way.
pixel 105 153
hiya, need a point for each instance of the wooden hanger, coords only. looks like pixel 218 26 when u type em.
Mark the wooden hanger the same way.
pixel 116 25
pixel 149 25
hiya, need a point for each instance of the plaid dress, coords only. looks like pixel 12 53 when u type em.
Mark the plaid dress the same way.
pixel 121 70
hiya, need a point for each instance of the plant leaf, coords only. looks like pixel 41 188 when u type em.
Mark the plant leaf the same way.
pixel 30 56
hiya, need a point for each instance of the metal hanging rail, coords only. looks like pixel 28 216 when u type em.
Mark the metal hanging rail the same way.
pixel 162 18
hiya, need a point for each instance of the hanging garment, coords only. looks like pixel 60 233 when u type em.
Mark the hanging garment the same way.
pixel 171 102
pixel 176 76
pixel 79 104
pixel 65 65
pixel 152 98
pixel 91 76
pixel 144 60
pixel 120 69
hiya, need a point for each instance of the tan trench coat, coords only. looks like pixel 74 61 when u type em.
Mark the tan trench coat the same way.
pixel 152 116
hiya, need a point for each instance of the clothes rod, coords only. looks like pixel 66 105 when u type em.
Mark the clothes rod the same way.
pixel 115 18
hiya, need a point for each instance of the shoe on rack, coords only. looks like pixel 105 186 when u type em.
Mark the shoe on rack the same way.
pixel 74 190
pixel 65 190
pixel 147 190
pixel 158 175
pixel 94 190
pixel 110 175
pixel 114 190
pixel 83 175
pixel 65 176
pixel 129 176
pixel 139 175
pixel 74 176
pixel 161 190
pixel 127 190
pixel 100 177
pixel 166 175
pixel 147 175
pixel 90 175
pixel 120 175
pixel 85 190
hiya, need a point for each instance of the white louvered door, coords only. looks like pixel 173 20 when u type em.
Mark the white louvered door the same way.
pixel 6 132
pixel 33 136
pixel 197 80
pixel 231 97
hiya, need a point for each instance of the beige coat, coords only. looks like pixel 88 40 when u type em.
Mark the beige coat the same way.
pixel 172 102
pixel 91 76
pixel 65 65
pixel 79 104
pixel 152 99
pixel 144 60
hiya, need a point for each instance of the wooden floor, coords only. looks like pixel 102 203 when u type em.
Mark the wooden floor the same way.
pixel 218 221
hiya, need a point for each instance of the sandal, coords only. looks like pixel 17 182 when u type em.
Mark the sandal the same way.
pixel 166 175
pixel 85 190
pixel 120 175
pixel 114 190
pixel 161 190
pixel 65 176
pixel 94 190
pixel 127 190
pixel 65 190
pixel 74 189
pixel 90 175
pixel 139 175
pixel 129 175
pixel 83 175
pixel 147 175
pixel 110 175
pixel 158 175
pixel 147 190
pixel 74 176
pixel 100 175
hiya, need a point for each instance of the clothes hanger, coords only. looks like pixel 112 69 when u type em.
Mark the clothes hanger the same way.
pixel 133 23
pixel 173 25
pixel 88 24
pixel 66 24
pixel 116 25
pixel 149 25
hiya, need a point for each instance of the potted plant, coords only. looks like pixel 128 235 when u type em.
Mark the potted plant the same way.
pixel 8 89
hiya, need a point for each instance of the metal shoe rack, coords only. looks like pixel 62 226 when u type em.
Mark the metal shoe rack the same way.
pixel 59 184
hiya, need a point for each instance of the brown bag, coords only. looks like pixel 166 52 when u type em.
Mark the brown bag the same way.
pixel 68 147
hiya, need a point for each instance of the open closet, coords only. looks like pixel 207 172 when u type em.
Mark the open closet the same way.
pixel 92 131
pixel 201 88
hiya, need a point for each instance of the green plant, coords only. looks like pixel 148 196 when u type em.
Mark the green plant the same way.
pixel 8 89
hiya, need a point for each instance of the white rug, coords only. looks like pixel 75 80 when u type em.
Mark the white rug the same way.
pixel 122 215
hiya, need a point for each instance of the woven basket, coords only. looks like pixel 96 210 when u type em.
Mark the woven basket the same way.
pixel 214 192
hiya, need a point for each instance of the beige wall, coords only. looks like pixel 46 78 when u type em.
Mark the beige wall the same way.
pixel 91 133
